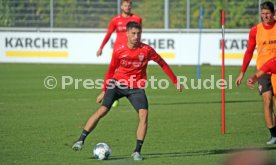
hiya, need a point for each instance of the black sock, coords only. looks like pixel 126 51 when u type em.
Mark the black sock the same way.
pixel 139 144
pixel 83 135
pixel 273 131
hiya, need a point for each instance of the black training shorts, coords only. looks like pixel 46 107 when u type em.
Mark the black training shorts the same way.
pixel 264 84
pixel 136 96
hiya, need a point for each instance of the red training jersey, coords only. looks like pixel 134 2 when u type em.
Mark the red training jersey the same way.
pixel 270 66
pixel 128 66
pixel 252 42
pixel 119 23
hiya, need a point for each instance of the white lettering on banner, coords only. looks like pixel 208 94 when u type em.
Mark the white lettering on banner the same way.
pixel 46 43
pixel 162 44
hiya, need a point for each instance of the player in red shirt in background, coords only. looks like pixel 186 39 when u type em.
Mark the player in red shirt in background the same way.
pixel 264 36
pixel 126 77
pixel 118 23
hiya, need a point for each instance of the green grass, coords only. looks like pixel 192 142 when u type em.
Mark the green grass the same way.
pixel 38 125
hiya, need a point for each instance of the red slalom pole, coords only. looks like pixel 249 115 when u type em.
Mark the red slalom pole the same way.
pixel 222 76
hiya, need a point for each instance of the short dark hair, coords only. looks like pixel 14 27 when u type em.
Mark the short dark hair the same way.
pixel 133 24
pixel 268 5
pixel 128 1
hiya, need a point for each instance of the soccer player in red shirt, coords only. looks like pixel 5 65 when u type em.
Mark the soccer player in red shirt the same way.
pixel 263 35
pixel 126 77
pixel 118 23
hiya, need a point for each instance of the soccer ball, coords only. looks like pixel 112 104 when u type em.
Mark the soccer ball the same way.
pixel 101 151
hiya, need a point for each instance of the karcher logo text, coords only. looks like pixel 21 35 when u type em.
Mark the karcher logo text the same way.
pixel 234 44
pixel 48 43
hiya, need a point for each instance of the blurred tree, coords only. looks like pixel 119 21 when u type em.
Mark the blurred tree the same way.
pixel 239 14
pixel 151 13
pixel 178 14
pixel 5 16
pixel 98 13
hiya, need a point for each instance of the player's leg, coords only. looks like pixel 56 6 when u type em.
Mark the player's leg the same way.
pixel 94 118
pixel 140 133
pixel 269 115
pixel 268 109
pixel 143 124
pixel 265 89
pixel 89 126
pixel 109 97
pixel 139 101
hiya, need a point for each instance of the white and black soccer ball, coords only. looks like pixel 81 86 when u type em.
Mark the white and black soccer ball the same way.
pixel 101 151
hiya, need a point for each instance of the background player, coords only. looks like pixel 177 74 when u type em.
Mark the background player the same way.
pixel 119 23
pixel 261 35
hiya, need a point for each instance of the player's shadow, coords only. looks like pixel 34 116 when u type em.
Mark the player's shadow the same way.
pixel 186 153
pixel 120 157
pixel 198 153
pixel 206 102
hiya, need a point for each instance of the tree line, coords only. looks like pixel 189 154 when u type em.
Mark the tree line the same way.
pixel 240 14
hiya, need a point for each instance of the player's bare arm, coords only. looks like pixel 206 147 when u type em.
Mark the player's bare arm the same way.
pixel 239 79
pixel 253 79
pixel 179 87
pixel 99 52
pixel 100 97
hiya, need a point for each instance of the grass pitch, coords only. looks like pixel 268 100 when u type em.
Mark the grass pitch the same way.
pixel 39 125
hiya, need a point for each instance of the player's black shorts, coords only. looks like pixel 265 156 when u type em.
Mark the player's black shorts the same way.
pixel 264 84
pixel 136 96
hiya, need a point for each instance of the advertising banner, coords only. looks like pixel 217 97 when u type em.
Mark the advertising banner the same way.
pixel 81 48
